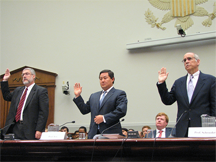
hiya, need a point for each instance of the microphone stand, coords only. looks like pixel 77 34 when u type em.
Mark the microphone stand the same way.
pixel 1 135
pixel 66 123
pixel 171 136
pixel 101 135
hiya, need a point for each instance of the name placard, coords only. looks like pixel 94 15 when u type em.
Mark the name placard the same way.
pixel 202 132
pixel 53 136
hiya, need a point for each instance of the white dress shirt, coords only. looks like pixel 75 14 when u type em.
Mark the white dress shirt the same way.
pixel 163 133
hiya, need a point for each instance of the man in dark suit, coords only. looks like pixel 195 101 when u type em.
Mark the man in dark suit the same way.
pixel 162 131
pixel 194 93
pixel 29 107
pixel 106 106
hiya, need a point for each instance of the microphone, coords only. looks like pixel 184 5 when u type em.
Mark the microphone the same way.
pixel 101 135
pixel 1 135
pixel 6 126
pixel 171 136
pixel 66 123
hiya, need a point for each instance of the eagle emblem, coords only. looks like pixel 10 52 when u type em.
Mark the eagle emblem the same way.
pixel 181 10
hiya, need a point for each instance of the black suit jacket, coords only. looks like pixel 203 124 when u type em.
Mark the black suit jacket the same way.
pixel 113 107
pixel 36 109
pixel 202 102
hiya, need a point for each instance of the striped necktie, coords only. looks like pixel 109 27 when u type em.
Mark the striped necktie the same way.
pixel 17 117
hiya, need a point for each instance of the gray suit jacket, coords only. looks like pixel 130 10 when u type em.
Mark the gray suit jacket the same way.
pixel 202 102
pixel 113 107
pixel 36 109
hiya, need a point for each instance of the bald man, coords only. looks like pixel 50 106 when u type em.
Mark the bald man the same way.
pixel 194 93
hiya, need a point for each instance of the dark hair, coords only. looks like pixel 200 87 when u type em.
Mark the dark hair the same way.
pixel 130 129
pixel 76 131
pixel 82 127
pixel 110 73
pixel 64 128
pixel 125 129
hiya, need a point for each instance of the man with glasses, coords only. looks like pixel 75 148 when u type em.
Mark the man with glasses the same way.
pixel 194 93
pixel 29 107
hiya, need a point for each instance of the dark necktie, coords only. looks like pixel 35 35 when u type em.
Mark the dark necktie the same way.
pixel 17 117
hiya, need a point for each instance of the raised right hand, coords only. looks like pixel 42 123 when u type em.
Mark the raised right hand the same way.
pixel 7 75
pixel 77 89
pixel 162 75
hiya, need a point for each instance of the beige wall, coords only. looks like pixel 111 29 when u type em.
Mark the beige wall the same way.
pixel 78 38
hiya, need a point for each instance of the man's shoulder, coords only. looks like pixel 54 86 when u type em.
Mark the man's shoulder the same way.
pixel 181 78
pixel 114 90
pixel 37 87
pixel 168 128
pixel 207 75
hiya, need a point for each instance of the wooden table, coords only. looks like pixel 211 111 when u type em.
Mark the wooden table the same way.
pixel 164 149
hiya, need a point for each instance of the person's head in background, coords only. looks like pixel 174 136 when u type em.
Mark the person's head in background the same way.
pixel 124 131
pixel 130 129
pixel 161 120
pixel 64 129
pixel 144 130
pixel 76 134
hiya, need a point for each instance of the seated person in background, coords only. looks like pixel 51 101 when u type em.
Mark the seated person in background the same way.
pixel 161 121
pixel 144 131
pixel 83 129
pixel 124 131
pixel 65 129
pixel 76 135
pixel 130 129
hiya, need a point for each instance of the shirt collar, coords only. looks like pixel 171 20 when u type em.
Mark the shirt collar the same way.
pixel 30 87
pixel 108 90
pixel 194 74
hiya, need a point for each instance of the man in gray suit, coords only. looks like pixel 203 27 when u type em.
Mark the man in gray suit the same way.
pixel 29 107
pixel 106 106
pixel 162 131
pixel 194 93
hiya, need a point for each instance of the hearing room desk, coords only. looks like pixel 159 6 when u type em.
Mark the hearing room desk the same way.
pixel 167 149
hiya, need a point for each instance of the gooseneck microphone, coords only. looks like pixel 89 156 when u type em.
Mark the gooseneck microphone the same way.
pixel 6 126
pixel 66 123
pixel 171 136
pixel 101 135
pixel 1 136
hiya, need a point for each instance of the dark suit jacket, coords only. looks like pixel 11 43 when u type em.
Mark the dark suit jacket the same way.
pixel 168 132
pixel 113 107
pixel 36 109
pixel 203 101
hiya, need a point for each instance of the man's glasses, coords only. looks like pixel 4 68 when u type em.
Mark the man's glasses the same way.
pixel 188 58
pixel 25 74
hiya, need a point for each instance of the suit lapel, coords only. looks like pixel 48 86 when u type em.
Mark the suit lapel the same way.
pixel 199 85
pixel 184 89
pixel 98 99
pixel 30 96
pixel 19 97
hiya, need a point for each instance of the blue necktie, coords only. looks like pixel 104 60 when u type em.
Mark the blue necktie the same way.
pixel 190 88
pixel 102 98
